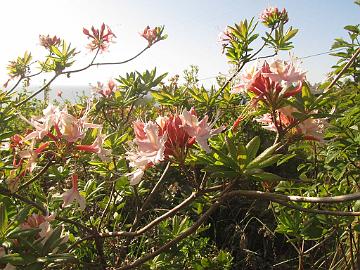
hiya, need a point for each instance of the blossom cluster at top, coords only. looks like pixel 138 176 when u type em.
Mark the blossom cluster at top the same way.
pixel 270 83
pixel 105 90
pixel 168 136
pixel 271 16
pixel 100 38
pixel 152 35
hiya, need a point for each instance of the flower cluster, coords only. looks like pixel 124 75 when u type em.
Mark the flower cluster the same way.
pixel 225 38
pixel 105 90
pixel 271 16
pixel 308 129
pixel 167 137
pixel 47 41
pixel 151 35
pixel 272 82
pixel 42 222
pixel 100 38
pixel 57 126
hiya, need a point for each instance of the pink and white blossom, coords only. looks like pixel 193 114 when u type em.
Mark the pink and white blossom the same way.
pixel 149 149
pixel 97 147
pixel 73 194
pixel 271 16
pixel 271 83
pixel 31 154
pixel 151 35
pixel 100 38
pixel 43 124
pixel 107 90
pixel 285 72
pixel 247 78
pixel 309 129
pixel 201 131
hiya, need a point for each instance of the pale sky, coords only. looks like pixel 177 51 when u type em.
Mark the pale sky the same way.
pixel 192 26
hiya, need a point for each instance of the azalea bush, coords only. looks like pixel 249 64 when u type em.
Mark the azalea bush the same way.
pixel 148 172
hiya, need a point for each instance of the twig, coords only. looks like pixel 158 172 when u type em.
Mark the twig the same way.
pixel 78 70
pixel 46 167
pixel 38 91
pixel 155 188
pixel 107 205
pixel 292 198
pixel 181 236
pixel 352 59
pixel 8 193
pixel 174 241
pixel 317 211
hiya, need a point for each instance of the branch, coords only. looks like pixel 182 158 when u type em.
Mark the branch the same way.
pixel 317 211
pixel 174 241
pixel 8 193
pixel 38 91
pixel 352 59
pixel 122 62
pixel 43 170
pixel 155 188
pixel 78 70
pixel 183 235
pixel 290 198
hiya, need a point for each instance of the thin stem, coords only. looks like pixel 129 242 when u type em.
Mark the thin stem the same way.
pixel 155 188
pixel 38 91
pixel 43 170
pixel 351 61
pixel 8 193
pixel 107 205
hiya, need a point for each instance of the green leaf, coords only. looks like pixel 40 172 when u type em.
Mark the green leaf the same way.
pixel 290 34
pixel 3 218
pixel 17 259
pixel 270 161
pixel 24 233
pixel 56 51
pixel 6 135
pixel 263 156
pixel 52 241
pixel 266 176
pixel 252 147
pixel 306 94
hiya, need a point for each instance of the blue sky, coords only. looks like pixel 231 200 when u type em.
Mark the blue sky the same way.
pixel 192 26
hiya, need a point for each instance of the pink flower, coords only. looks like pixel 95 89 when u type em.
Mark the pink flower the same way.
pixel 69 127
pixel 247 78
pixel 225 36
pixel 313 129
pixel 31 154
pixel 105 91
pixel 73 194
pixel 150 149
pixel 309 129
pixel 200 130
pixel 47 41
pixel 59 93
pixel 267 122
pixel 41 222
pixel 271 16
pixel 96 147
pixel 285 72
pixel 151 35
pixel 100 39
pixel 42 125
pixel 73 129
pixel 271 83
